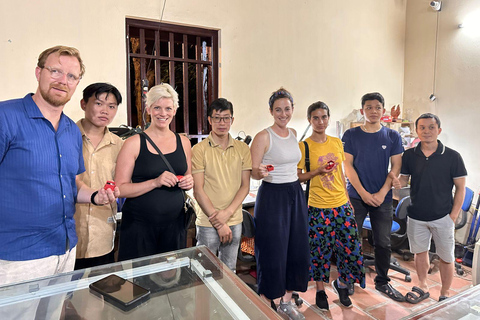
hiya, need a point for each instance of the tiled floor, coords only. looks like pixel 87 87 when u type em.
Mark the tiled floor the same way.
pixel 369 303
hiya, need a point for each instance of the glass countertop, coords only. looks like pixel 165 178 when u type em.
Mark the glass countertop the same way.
pixel 185 284
pixel 463 306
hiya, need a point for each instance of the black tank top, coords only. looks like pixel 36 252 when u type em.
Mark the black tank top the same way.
pixel 160 205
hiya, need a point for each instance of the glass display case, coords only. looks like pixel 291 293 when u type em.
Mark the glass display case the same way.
pixel 463 306
pixel 186 284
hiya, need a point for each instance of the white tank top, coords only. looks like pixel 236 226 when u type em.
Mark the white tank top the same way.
pixel 284 154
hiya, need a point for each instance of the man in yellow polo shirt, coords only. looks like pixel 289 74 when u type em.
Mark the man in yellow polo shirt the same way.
pixel 96 225
pixel 221 173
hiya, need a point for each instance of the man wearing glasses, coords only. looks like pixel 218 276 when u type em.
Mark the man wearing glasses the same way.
pixel 40 163
pixel 221 169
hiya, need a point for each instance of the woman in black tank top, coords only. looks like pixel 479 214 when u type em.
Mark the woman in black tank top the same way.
pixel 153 215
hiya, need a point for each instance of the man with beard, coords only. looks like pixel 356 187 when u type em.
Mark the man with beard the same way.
pixel 40 163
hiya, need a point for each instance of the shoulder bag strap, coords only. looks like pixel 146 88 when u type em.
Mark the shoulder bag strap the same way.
pixel 159 152
pixel 307 167
pixel 166 162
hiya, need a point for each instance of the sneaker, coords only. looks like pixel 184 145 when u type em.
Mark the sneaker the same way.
pixel 342 294
pixel 289 310
pixel 321 300
pixel 351 289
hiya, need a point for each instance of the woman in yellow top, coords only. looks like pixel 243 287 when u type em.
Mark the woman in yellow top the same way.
pixel 332 228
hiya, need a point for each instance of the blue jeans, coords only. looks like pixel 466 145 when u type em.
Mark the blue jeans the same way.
pixel 381 220
pixel 227 252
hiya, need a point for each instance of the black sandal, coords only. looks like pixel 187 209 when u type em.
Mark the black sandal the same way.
pixel 416 295
pixel 390 292
pixel 273 305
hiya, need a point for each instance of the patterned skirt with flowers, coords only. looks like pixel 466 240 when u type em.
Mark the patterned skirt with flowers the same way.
pixel 333 234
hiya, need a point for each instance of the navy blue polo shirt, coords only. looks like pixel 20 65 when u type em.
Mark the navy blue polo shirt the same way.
pixel 432 181
pixel 38 166
pixel 371 153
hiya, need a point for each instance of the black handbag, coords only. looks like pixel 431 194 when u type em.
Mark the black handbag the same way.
pixel 188 204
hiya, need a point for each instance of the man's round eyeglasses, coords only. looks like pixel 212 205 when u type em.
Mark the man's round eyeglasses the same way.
pixel 58 74
pixel 218 119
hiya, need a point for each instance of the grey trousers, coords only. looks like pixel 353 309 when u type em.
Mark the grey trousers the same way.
pixel 227 252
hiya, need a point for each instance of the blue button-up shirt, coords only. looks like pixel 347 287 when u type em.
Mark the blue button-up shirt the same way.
pixel 38 166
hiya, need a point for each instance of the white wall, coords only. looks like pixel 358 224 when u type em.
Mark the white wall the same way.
pixel 333 51
pixel 457 74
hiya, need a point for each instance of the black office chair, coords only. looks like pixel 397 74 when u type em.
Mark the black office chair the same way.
pixel 369 259
pixel 248 231
pixel 467 203
pixel 399 238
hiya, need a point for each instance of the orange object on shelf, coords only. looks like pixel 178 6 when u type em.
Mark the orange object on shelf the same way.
pixel 395 112
pixel 386 118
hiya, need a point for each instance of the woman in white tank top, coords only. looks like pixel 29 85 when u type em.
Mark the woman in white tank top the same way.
pixel 281 238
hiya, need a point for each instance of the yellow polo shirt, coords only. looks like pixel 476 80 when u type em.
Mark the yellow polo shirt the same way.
pixel 95 225
pixel 222 174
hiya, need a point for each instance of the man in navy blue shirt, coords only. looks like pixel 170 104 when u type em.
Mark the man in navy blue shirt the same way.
pixel 40 163
pixel 369 150
pixel 434 170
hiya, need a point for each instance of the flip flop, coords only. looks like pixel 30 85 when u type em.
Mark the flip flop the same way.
pixel 416 295
pixel 441 298
pixel 390 291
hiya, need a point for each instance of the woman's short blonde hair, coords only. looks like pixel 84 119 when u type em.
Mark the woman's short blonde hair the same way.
pixel 160 91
